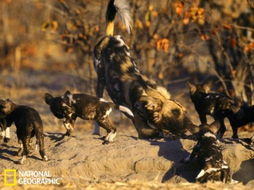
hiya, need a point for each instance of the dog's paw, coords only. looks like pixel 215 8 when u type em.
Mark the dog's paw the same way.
pixel 22 160
pixel 45 158
pixel 105 142
pixel 68 133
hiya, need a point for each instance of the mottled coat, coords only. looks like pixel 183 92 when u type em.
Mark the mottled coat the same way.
pixel 28 124
pixel 87 107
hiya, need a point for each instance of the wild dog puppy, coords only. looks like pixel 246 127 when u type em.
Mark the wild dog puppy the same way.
pixel 28 124
pixel 151 105
pixel 238 119
pixel 70 106
pixel 208 153
pixel 219 106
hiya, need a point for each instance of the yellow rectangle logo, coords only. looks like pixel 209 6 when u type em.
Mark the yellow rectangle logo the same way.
pixel 10 177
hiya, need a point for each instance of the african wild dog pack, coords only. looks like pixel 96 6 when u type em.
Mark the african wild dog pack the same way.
pixel 150 106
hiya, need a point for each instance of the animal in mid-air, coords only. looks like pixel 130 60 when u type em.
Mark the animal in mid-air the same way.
pixel 28 123
pixel 87 107
pixel 208 153
pixel 154 110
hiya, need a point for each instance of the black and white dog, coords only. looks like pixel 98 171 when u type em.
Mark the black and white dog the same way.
pixel 87 107
pixel 151 105
pixel 28 123
pixel 220 106
pixel 208 153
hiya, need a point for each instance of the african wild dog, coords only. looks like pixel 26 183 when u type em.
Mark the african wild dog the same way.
pixel 28 124
pixel 208 153
pixel 219 106
pixel 151 105
pixel 87 107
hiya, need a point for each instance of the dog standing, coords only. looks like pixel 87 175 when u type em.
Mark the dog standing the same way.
pixel 208 153
pixel 219 106
pixel 70 106
pixel 151 105
pixel 28 124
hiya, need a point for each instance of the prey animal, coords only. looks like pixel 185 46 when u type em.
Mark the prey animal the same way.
pixel 154 111
pixel 87 107
pixel 28 123
pixel 219 106
pixel 208 153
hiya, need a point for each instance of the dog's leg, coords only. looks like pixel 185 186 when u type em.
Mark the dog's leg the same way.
pixel 20 150
pixel 235 130
pixel 111 131
pixel 68 127
pixel 7 135
pixel 202 118
pixel 37 145
pixel 222 128
pixel 40 139
pixel 96 130
pixel 100 85
pixel 110 136
pixel 25 150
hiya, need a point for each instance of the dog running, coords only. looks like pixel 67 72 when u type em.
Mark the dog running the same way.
pixel 151 105
pixel 87 107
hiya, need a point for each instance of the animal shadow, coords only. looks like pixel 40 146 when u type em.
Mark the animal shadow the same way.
pixel 55 136
pixel 246 171
pixel 6 153
pixel 173 150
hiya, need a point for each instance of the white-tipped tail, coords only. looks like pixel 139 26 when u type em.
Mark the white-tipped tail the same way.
pixel 123 8
pixel 126 110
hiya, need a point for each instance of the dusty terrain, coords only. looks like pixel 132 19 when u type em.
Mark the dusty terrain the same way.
pixel 82 161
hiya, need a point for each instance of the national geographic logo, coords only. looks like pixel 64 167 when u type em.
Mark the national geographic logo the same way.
pixel 12 177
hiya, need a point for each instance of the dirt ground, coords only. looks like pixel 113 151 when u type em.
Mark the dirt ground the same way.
pixel 81 161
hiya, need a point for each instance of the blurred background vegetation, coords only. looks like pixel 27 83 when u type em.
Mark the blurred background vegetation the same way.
pixel 48 43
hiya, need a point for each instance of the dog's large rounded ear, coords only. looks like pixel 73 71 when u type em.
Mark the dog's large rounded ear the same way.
pixel 67 93
pixel 192 87
pixel 48 98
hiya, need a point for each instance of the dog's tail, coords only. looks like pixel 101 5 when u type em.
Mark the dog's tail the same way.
pixel 123 109
pixel 121 7
pixel 126 111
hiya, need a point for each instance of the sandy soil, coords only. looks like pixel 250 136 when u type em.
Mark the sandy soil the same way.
pixel 81 161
